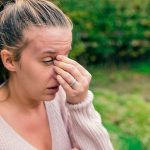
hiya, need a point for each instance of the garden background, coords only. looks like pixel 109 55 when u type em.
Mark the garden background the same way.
pixel 111 38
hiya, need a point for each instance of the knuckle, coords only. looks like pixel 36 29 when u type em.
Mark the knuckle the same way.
pixel 86 82
pixel 74 62
pixel 71 68
pixel 67 75
pixel 76 72
pixel 90 77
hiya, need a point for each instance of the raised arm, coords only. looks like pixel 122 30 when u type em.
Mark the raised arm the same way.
pixel 85 126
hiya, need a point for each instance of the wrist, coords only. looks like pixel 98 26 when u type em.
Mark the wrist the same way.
pixel 77 99
pixel 86 101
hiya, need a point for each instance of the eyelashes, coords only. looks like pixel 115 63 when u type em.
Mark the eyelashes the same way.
pixel 48 61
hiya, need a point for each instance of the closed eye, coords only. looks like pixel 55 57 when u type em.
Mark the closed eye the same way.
pixel 48 61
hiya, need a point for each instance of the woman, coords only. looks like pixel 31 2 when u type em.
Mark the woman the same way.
pixel 45 103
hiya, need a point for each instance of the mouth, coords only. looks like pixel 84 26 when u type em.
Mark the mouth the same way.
pixel 53 89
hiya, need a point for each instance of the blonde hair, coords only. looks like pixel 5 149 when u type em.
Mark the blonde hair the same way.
pixel 18 15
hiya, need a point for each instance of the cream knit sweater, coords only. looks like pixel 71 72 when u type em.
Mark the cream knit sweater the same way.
pixel 71 126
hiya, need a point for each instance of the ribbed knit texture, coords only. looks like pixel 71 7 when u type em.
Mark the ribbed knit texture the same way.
pixel 71 126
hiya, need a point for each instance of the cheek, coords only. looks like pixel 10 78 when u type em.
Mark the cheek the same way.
pixel 43 73
pixel 36 72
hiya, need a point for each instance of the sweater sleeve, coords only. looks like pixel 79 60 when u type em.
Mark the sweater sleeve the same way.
pixel 86 129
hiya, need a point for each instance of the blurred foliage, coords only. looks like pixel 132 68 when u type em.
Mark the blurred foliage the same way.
pixel 127 118
pixel 109 30
pixel 142 67
pixel 122 98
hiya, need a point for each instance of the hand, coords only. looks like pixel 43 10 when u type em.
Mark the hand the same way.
pixel 73 78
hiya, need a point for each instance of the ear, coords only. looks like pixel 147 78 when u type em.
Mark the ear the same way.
pixel 8 60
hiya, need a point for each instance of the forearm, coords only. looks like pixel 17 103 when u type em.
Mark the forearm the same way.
pixel 87 129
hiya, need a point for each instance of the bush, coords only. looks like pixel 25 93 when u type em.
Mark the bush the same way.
pixel 126 117
pixel 109 30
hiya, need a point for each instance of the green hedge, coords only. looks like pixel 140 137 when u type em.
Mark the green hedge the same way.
pixel 126 117
pixel 109 30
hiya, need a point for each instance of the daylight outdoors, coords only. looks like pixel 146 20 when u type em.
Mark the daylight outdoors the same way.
pixel 111 38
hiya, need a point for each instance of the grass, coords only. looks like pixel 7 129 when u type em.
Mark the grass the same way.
pixel 122 97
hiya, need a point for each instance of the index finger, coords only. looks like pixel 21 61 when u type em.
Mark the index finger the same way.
pixel 70 61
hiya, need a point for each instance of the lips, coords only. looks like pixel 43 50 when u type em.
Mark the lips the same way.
pixel 53 89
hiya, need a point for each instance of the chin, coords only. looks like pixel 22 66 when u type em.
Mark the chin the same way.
pixel 50 97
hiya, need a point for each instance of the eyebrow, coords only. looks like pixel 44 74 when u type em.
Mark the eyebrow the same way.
pixel 52 51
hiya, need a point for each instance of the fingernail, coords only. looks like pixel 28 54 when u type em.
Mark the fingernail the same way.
pixel 59 57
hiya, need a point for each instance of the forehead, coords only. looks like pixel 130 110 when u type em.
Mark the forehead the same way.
pixel 52 39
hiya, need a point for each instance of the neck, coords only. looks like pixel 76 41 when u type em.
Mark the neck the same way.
pixel 20 101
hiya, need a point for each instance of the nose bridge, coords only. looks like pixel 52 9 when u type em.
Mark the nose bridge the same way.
pixel 54 74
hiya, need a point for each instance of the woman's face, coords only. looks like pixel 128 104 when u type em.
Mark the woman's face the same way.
pixel 35 72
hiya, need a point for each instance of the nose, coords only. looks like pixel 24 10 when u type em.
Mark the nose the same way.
pixel 54 74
